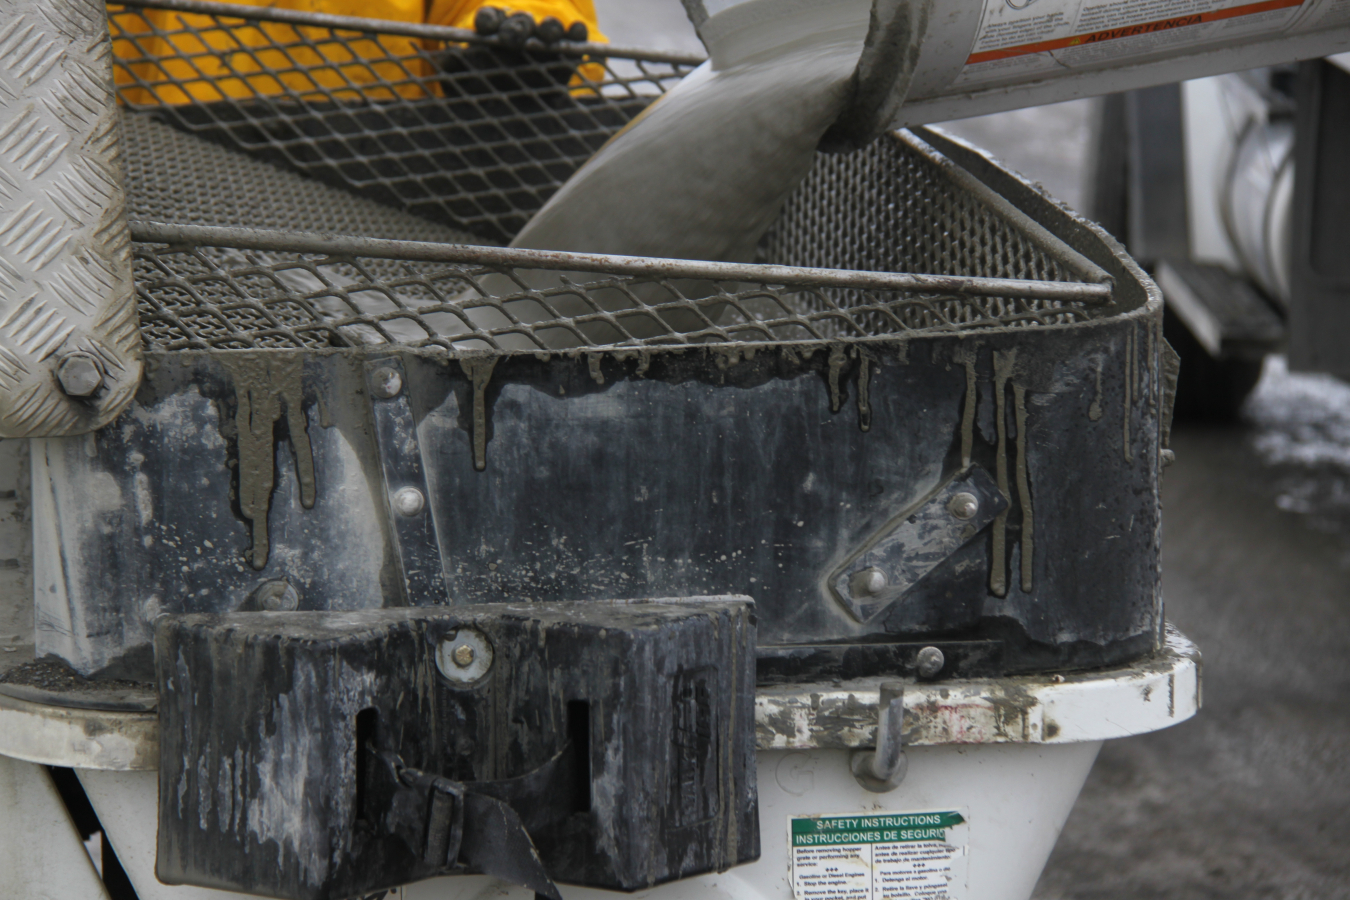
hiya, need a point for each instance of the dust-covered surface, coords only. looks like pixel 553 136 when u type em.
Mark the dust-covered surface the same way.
pixel 16 557
pixel 51 681
pixel 1251 798
pixel 54 675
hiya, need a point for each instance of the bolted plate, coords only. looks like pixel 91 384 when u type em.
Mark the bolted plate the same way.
pixel 912 544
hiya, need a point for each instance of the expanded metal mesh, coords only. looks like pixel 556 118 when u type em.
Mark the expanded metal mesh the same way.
pixel 226 116
pixel 890 208
pixel 172 176
pixel 463 132
pixel 195 295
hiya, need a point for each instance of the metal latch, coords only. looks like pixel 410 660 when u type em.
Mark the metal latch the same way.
pixel 914 543
pixel 883 768
pixel 320 756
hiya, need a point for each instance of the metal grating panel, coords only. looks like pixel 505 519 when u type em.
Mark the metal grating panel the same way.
pixel 439 122
pixel 407 133
pixel 290 290
pixel 891 208
pixel 173 176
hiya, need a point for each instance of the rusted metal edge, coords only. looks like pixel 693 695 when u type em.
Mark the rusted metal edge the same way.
pixel 1148 695
pixel 405 29
pixel 506 257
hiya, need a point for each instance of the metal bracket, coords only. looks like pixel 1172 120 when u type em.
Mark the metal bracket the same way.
pixel 412 524
pixel 913 544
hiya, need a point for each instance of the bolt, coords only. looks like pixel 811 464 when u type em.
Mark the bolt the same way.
pixel 929 662
pixel 386 382
pixel 869 582
pixel 409 501
pixel 277 595
pixel 464 656
pixel 963 505
pixel 79 375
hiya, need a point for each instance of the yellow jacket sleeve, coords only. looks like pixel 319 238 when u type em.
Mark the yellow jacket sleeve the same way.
pixel 166 57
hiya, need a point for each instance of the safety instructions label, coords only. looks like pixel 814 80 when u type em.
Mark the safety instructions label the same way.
pixel 879 856
pixel 1021 36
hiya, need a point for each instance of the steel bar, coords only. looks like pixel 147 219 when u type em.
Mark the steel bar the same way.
pixel 248 239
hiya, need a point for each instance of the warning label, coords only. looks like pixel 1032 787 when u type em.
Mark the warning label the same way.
pixel 879 856
pixel 1018 36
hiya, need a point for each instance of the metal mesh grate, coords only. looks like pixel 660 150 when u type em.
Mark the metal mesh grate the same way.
pixel 454 128
pixel 176 177
pixel 285 290
pixel 889 208
pixel 407 134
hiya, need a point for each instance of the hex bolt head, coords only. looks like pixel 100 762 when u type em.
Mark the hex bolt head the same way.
pixel 963 505
pixel 929 662
pixel 464 656
pixel 79 375
pixel 409 501
pixel 278 595
pixel 386 382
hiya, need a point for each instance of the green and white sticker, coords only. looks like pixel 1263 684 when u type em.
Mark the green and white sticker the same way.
pixel 879 856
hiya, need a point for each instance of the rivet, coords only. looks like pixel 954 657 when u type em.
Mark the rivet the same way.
pixel 963 505
pixel 79 375
pixel 409 501
pixel 386 382
pixel 929 662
